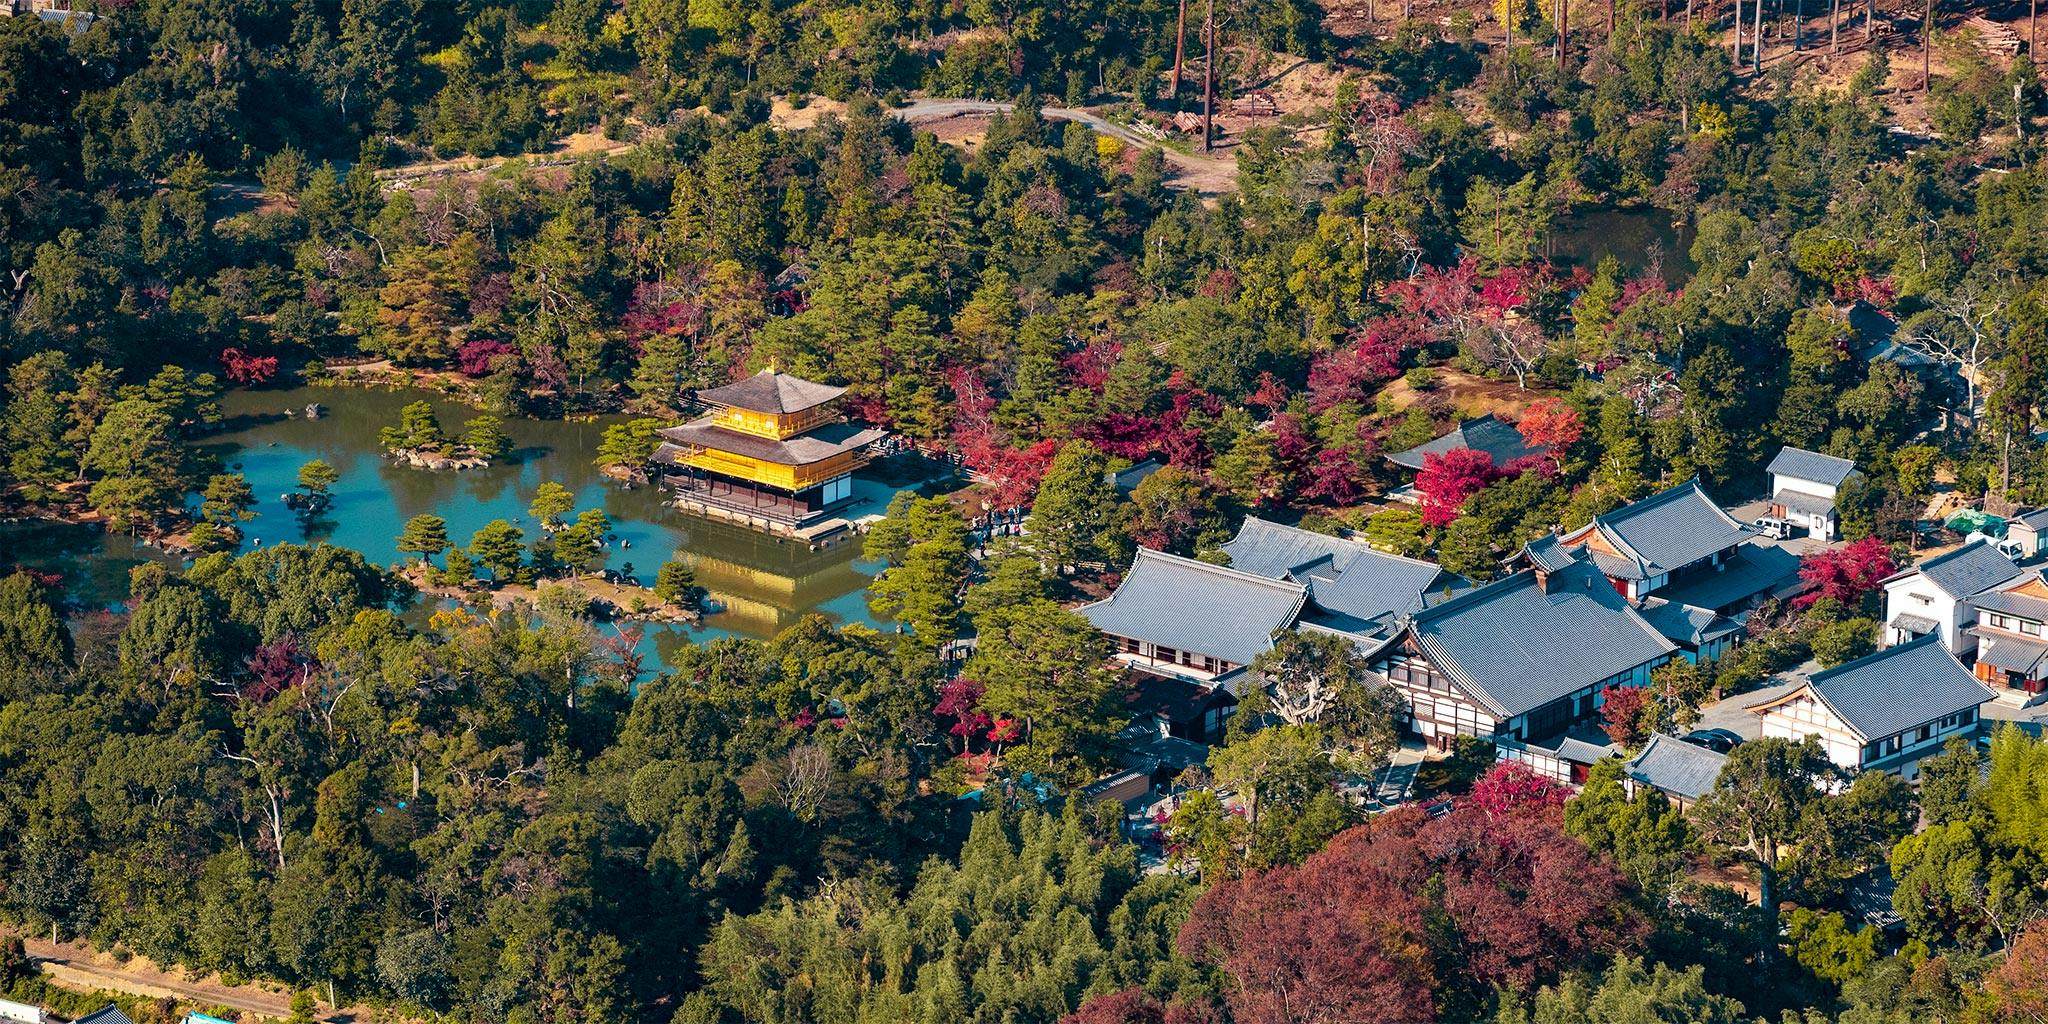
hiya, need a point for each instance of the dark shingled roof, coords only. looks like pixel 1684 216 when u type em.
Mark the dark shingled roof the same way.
pixel 802 450
pixel 1494 437
pixel 1194 606
pixel 2035 518
pixel 2003 600
pixel 1965 572
pixel 1685 624
pixel 769 391
pixel 1801 464
pixel 1679 768
pixel 1345 577
pixel 1514 646
pixel 1665 531
pixel 2002 650
pixel 108 1014
pixel 1801 501
pixel 1898 688
pixel 1753 569
pixel 1127 480
pixel 1547 554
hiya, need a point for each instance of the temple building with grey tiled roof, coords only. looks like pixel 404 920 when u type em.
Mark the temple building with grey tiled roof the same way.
pixel 1353 587
pixel 1501 440
pixel 1522 658
pixel 1192 619
pixel 1682 771
pixel 1882 712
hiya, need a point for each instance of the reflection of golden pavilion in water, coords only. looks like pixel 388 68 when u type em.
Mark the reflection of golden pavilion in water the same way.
pixel 773 454
pixel 763 583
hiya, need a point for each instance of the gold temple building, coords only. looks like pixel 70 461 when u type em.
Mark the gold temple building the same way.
pixel 774 453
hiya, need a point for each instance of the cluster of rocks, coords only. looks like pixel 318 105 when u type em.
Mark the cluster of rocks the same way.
pixel 420 459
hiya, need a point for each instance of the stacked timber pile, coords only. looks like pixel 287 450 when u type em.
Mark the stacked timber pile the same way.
pixel 1992 36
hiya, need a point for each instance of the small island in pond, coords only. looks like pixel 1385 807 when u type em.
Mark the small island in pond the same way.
pixel 419 441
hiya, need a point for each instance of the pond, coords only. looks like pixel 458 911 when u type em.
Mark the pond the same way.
pixel 761 584
pixel 1636 237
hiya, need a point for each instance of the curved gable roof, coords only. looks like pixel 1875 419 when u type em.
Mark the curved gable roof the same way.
pixel 1516 646
pixel 1194 606
pixel 1665 531
pixel 772 392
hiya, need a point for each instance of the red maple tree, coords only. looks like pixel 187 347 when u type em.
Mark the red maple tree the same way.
pixel 1847 573
pixel 1622 711
pixel 1397 916
pixel 1510 787
pixel 243 368
pixel 1447 479
pixel 1550 424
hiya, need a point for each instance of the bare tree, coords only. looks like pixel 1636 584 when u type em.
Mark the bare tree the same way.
pixel 802 777
pixel 1960 330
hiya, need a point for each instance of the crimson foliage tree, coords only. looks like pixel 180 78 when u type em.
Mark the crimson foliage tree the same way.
pixel 1409 918
pixel 1621 712
pixel 1447 479
pixel 1511 787
pixel 1847 574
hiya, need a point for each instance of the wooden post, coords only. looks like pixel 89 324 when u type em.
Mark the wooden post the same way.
pixel 1563 16
pixel 1756 37
pixel 1208 75
pixel 1927 48
pixel 1835 29
pixel 1180 36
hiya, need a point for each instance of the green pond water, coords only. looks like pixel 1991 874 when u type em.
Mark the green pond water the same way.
pixel 759 583
pixel 1636 237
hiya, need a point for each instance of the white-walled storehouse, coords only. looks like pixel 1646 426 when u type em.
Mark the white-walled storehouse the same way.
pixel 1882 712
pixel 1933 597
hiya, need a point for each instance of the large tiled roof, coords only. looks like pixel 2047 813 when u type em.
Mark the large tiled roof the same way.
pixel 1352 580
pixel 2034 518
pixel 1750 570
pixel 802 450
pixel 1667 530
pixel 1515 645
pixel 1965 572
pixel 2005 600
pixel 1685 624
pixel 1679 768
pixel 108 1014
pixel 1194 606
pixel 1899 688
pixel 1801 464
pixel 769 391
pixel 1499 439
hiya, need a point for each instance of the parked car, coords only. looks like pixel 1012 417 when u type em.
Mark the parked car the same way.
pixel 1774 527
pixel 1720 741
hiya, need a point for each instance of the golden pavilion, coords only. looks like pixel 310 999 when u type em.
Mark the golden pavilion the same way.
pixel 774 452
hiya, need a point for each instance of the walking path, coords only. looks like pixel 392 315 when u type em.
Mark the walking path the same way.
pixel 75 965
pixel 1204 173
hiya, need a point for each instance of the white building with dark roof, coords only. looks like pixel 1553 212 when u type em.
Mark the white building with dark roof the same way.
pixel 1882 712
pixel 1803 489
pixel 1933 596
